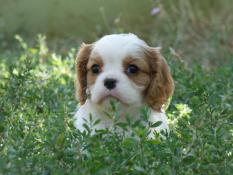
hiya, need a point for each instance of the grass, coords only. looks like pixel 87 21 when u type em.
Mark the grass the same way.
pixel 38 136
pixel 37 103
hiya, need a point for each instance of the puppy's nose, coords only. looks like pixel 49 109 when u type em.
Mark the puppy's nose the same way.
pixel 110 83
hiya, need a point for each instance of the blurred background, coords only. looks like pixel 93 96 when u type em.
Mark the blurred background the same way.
pixel 200 30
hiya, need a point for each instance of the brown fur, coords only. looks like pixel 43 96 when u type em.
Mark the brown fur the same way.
pixel 81 72
pixel 161 83
pixel 141 78
pixel 90 76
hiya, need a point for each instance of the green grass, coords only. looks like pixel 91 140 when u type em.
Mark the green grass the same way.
pixel 37 101
pixel 37 135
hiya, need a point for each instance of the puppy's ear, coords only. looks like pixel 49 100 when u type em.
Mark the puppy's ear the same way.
pixel 81 72
pixel 161 86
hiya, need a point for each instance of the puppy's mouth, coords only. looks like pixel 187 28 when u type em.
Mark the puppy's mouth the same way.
pixel 111 94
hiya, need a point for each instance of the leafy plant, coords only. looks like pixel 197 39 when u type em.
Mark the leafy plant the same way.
pixel 37 135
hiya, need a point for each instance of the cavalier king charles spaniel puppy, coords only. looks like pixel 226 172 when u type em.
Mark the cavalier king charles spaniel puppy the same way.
pixel 124 68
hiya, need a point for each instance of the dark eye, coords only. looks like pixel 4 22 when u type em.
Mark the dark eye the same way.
pixel 95 69
pixel 132 69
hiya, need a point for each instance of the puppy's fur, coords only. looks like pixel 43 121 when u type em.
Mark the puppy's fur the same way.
pixel 125 68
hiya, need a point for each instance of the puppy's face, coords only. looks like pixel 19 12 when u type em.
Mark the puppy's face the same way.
pixel 116 72
pixel 125 68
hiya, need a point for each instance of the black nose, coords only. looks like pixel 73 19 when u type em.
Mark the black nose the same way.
pixel 110 83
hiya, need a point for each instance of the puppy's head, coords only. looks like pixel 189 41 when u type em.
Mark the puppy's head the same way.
pixel 125 68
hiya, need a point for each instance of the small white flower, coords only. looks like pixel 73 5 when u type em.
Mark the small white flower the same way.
pixel 155 11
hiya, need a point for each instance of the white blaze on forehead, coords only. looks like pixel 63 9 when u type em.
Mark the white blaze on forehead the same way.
pixel 114 48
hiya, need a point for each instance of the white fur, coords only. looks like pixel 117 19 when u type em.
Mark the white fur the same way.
pixel 113 49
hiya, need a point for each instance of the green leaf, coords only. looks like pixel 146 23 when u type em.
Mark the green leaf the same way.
pixel 156 124
pixel 129 142
pixel 60 140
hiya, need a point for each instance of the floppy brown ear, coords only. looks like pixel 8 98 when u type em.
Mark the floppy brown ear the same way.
pixel 81 72
pixel 161 86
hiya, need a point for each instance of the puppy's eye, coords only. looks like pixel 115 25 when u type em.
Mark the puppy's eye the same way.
pixel 132 69
pixel 95 69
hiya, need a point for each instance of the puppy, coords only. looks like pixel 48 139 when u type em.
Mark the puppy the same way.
pixel 121 67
